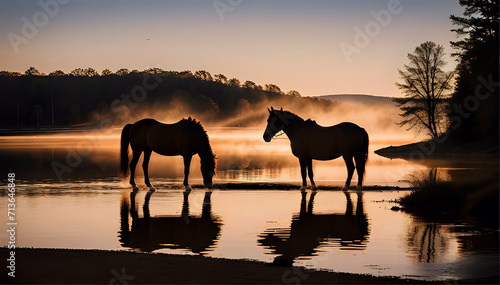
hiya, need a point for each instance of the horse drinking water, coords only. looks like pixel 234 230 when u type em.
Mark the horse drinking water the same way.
pixel 186 138
pixel 311 141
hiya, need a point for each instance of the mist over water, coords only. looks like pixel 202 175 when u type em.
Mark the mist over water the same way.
pixel 237 142
pixel 242 156
pixel 378 117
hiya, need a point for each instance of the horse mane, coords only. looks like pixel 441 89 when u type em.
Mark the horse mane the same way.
pixel 291 113
pixel 197 125
pixel 312 122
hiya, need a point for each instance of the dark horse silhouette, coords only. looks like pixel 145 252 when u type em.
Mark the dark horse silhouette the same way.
pixel 198 234
pixel 308 230
pixel 311 141
pixel 186 138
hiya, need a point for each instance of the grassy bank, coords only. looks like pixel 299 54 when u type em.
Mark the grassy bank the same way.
pixel 472 195
pixel 473 201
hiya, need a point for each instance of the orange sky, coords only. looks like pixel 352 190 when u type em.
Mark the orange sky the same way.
pixel 297 45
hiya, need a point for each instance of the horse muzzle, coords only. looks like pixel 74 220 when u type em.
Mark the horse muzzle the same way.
pixel 267 137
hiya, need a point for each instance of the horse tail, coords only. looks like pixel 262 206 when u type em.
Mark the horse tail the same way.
pixel 364 148
pixel 362 156
pixel 125 140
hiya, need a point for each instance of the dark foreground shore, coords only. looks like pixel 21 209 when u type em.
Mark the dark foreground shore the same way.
pixel 63 266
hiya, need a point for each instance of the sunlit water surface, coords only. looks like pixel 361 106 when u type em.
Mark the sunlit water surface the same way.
pixel 81 204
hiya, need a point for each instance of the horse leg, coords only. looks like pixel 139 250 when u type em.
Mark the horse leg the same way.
pixel 185 208
pixel 360 168
pixel 187 164
pixel 303 204
pixel 303 171
pixel 206 211
pixel 145 164
pixel 310 173
pixel 311 202
pixel 359 205
pixel 350 170
pixel 133 163
pixel 348 206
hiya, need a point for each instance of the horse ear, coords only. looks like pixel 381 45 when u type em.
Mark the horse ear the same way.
pixel 272 109
pixel 269 110
pixel 281 109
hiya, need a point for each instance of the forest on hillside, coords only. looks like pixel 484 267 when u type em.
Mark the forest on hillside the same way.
pixel 86 98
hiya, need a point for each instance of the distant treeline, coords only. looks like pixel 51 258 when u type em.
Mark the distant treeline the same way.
pixel 83 97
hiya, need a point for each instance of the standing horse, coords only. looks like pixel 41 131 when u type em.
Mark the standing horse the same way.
pixel 186 138
pixel 311 141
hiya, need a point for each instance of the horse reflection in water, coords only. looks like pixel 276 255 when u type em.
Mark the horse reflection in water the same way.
pixel 198 234
pixel 309 231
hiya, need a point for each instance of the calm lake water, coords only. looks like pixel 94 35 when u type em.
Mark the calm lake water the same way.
pixel 80 203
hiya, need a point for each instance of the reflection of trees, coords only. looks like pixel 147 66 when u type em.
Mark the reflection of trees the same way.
pixel 429 241
pixel 426 241
pixel 444 196
pixel 424 238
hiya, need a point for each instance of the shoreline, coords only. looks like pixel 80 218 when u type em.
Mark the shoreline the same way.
pixel 290 186
pixel 57 266
pixel 250 186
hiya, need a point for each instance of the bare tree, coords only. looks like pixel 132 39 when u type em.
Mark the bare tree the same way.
pixel 425 88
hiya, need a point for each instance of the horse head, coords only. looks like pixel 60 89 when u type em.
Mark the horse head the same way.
pixel 208 167
pixel 276 122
